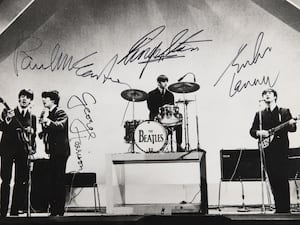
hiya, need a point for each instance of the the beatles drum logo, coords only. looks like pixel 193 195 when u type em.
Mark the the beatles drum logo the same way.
pixel 150 136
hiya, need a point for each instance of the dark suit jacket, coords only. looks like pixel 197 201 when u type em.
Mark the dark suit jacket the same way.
pixel 10 141
pixel 156 100
pixel 57 133
pixel 279 116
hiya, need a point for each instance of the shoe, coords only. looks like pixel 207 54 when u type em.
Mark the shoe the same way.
pixel 21 211
pixel 282 212
pixel 180 149
pixel 14 213
pixel 3 213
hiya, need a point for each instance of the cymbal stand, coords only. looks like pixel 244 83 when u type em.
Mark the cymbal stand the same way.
pixel 133 140
pixel 197 124
pixel 186 126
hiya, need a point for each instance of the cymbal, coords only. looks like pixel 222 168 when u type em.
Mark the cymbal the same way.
pixel 184 87
pixel 134 95
pixel 184 101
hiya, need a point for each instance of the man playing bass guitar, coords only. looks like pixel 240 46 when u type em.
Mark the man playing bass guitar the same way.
pixel 271 127
pixel 18 128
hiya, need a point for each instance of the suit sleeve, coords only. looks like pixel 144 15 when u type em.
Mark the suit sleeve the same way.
pixel 172 99
pixel 291 127
pixel 150 103
pixel 255 126
pixel 3 124
pixel 60 122
pixel 34 127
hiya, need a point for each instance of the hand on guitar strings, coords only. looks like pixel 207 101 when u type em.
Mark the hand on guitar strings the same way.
pixel 29 130
pixel 262 133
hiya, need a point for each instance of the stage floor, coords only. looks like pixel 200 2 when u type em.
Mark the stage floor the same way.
pixel 227 215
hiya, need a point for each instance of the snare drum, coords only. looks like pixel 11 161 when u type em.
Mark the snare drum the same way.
pixel 169 115
pixel 150 136
pixel 129 129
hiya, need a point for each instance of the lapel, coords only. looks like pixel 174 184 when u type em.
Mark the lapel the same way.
pixel 52 113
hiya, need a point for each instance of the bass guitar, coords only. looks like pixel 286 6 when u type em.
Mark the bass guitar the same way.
pixel 266 141
pixel 23 135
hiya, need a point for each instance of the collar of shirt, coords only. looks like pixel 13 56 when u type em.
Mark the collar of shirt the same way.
pixel 22 109
pixel 272 107
pixel 162 91
pixel 52 108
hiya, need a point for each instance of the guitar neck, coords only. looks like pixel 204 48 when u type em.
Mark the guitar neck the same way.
pixel 279 127
pixel 8 108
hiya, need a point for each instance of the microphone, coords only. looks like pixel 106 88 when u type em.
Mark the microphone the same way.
pixel 44 114
pixel 181 78
pixel 261 100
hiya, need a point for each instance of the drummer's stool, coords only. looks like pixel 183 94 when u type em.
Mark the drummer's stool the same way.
pixel 84 180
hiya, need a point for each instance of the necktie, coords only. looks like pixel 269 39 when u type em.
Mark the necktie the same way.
pixel 23 113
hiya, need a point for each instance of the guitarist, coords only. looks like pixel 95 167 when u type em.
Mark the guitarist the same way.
pixel 18 128
pixel 276 153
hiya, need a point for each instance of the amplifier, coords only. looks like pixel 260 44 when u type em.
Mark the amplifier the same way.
pixel 240 165
pixel 294 163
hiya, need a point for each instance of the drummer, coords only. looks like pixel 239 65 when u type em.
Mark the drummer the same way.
pixel 161 96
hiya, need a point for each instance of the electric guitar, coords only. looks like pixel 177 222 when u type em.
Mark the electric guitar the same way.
pixel 23 135
pixel 266 141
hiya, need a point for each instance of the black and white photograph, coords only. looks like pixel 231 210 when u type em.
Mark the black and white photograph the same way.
pixel 149 112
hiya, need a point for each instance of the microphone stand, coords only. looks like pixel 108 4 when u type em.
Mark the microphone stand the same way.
pixel 243 208
pixel 261 160
pixel 30 167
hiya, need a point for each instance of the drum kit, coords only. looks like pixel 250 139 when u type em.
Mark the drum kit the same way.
pixel 152 136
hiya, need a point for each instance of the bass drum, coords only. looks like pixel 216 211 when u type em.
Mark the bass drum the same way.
pixel 150 136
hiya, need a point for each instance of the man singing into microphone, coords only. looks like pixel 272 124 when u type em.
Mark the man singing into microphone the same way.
pixel 161 96
pixel 276 149
pixel 56 139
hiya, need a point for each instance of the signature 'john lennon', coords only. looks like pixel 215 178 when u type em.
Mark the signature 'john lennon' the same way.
pixel 237 85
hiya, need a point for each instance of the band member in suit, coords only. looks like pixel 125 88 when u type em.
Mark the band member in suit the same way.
pixel 276 154
pixel 54 123
pixel 161 96
pixel 18 128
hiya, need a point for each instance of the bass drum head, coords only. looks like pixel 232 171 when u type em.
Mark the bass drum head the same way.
pixel 150 136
